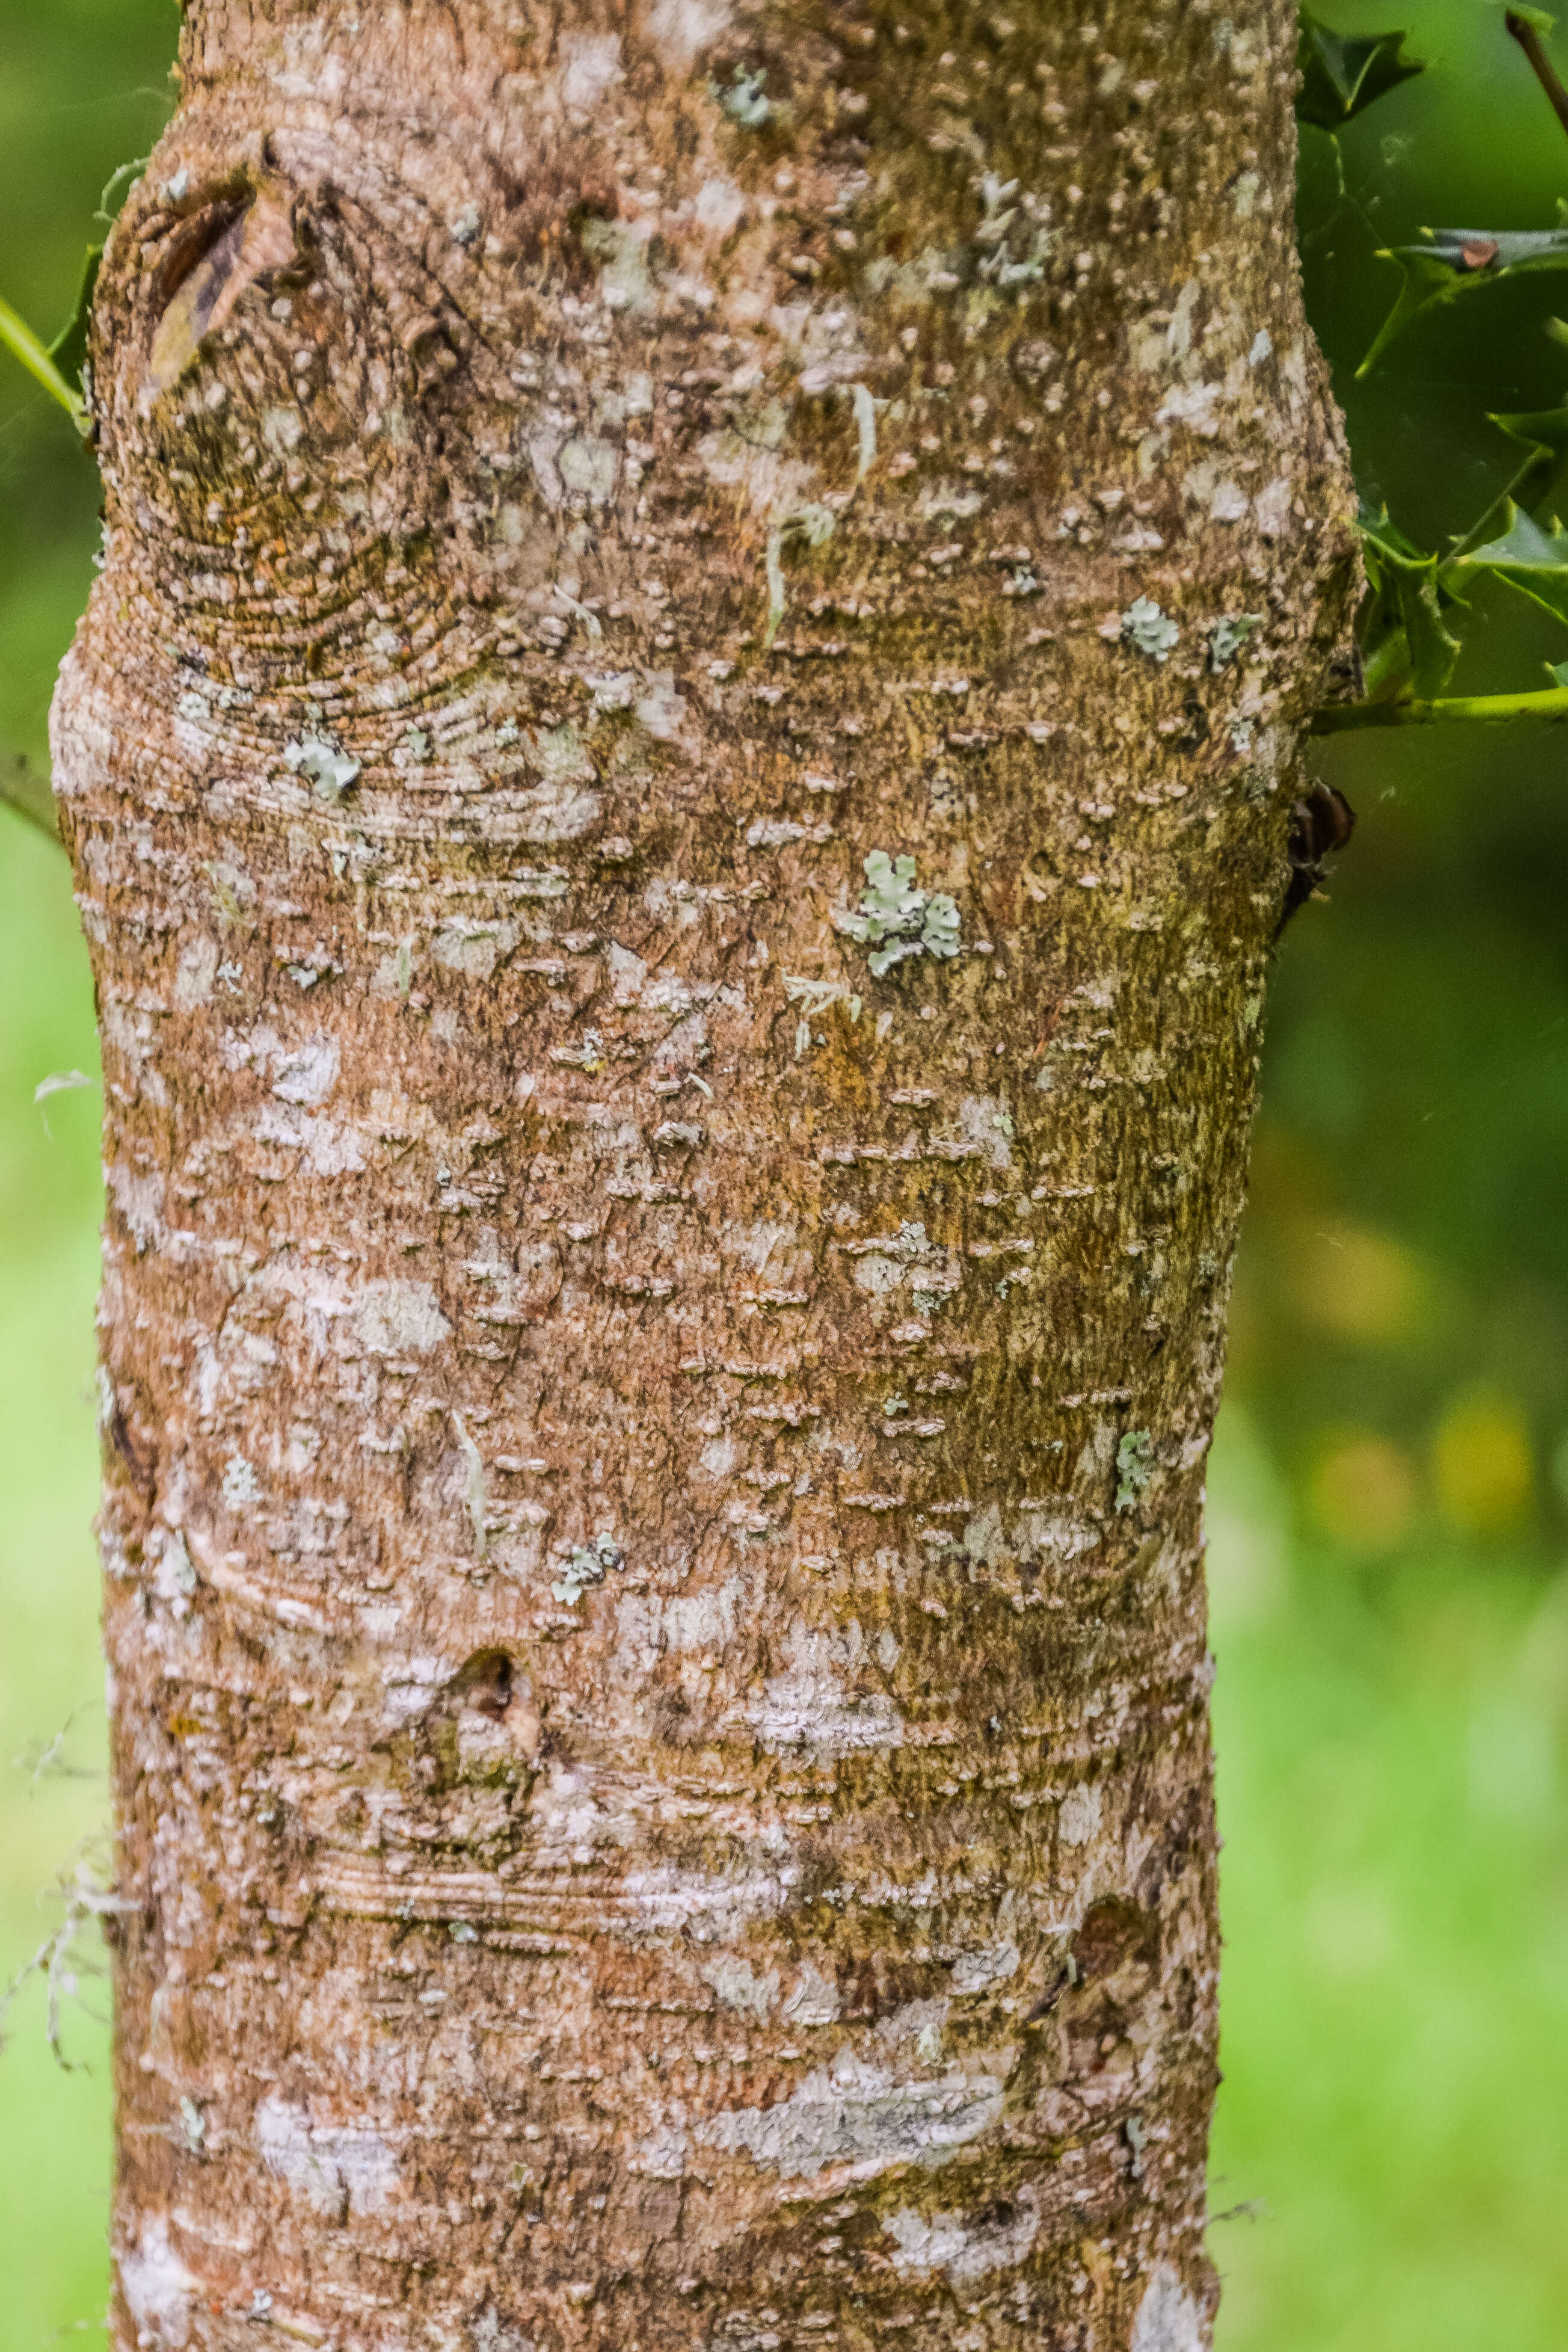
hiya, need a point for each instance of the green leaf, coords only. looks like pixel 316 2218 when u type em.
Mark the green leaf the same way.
pixel 1528 558
pixel 69 350
pixel 1341 75
pixel 1454 261
pixel 1405 645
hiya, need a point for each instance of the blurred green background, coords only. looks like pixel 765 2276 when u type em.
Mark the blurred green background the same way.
pixel 1390 1496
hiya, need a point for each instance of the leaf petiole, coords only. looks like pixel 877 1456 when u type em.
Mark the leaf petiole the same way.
pixel 1346 718
pixel 23 344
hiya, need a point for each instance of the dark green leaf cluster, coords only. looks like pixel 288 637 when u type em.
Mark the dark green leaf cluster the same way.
pixel 1409 627
pixel 1341 74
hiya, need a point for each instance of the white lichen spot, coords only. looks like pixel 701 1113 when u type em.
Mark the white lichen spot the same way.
pixel 173 1578
pixel 308 1074
pixel 919 2025
pixel 737 1985
pixel 1082 1809
pixel 281 429
pixel 1168 2319
pixel 861 2113
pixel 473 1482
pixel 399 1319
pixel 813 2000
pixel 196 974
pixel 810 1707
pixel 338 2169
pixel 745 102
pixel 681 29
pixel 661 709
pixel 986 1965
pixel 1273 508
pixel 156 2286
pixel 139 1200
pixel 720 205
pixel 1148 630
pixel 328 769
pixel 587 467
pixel 967 2250
pixel 590 65
pixel 865 429
pixel 240 1484
pixel 986 1121
pixel 660 2154
pixel 586 1564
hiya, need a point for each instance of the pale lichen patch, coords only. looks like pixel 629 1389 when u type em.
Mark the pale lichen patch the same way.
pixel 399 1319
pixel 1168 2319
pixel 860 2113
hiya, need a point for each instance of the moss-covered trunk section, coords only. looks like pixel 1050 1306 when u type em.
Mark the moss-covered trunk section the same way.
pixel 679 776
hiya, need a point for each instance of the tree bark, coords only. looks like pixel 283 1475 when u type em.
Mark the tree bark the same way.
pixel 655 1387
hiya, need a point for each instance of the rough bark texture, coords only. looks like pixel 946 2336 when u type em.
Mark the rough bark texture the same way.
pixel 652 1508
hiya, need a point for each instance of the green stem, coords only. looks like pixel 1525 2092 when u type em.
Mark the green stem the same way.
pixel 23 344
pixel 1342 718
pixel 29 794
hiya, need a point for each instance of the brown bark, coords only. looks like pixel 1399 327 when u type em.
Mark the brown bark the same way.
pixel 653 1475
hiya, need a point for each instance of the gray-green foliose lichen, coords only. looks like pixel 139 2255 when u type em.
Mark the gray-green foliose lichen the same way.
pixel 896 919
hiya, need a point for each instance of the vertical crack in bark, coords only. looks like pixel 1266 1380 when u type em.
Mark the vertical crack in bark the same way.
pixel 657 1376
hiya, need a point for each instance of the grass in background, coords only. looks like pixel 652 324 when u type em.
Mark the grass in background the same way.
pixel 54 2152
pixel 1394 1886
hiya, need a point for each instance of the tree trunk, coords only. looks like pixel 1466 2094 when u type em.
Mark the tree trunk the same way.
pixel 656 1381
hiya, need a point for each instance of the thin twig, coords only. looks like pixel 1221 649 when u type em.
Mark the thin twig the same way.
pixel 1541 64
pixel 86 1898
pixel 29 794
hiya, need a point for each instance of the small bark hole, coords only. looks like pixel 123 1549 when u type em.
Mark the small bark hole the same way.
pixel 485 1684
pixel 212 260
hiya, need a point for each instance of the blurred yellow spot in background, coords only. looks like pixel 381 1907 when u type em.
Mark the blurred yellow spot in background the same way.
pixel 1364 1491
pixel 1482 1466
pixel 1353 1283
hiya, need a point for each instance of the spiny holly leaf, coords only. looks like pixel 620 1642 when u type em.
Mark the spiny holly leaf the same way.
pixel 1454 261
pixel 1340 75
pixel 1530 559
pixel 69 350
pixel 1405 645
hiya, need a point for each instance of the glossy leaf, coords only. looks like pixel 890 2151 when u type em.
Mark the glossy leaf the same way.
pixel 1453 262
pixel 1341 74
pixel 1406 646
pixel 1532 559
pixel 69 350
